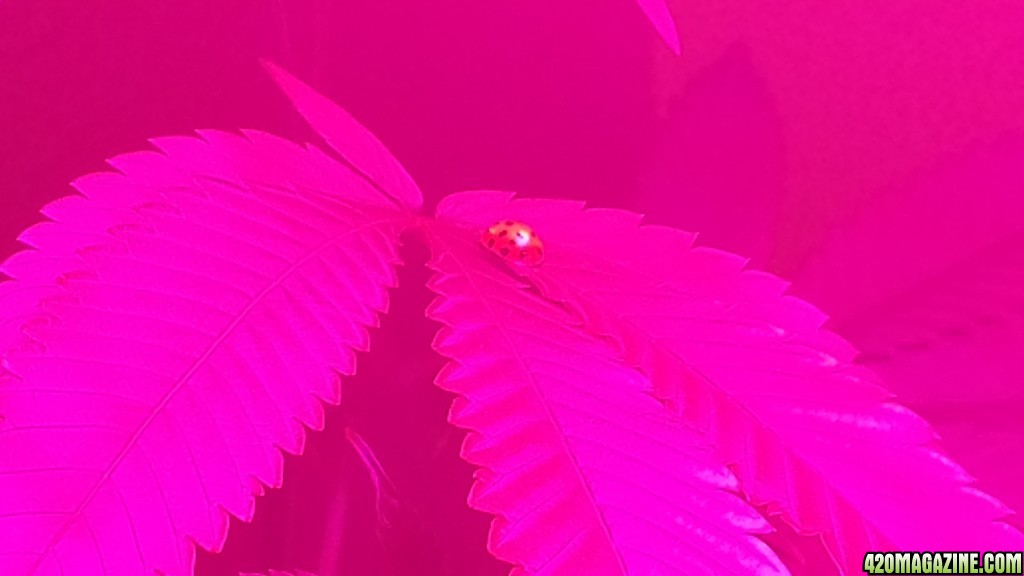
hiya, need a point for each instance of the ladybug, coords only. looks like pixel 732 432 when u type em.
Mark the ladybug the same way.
pixel 515 242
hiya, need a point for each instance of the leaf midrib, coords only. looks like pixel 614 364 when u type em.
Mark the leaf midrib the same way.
pixel 181 381
pixel 480 294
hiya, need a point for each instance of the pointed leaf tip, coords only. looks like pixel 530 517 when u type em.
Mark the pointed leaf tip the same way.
pixel 350 139
pixel 660 16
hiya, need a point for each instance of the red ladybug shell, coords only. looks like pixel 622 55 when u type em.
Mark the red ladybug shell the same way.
pixel 515 242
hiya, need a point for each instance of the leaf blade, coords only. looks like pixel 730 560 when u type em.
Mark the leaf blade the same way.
pixel 734 356
pixel 154 342
pixel 353 142
pixel 552 466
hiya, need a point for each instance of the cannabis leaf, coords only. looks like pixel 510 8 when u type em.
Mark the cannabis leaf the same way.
pixel 805 431
pixel 176 325
pixel 170 331
pixel 584 468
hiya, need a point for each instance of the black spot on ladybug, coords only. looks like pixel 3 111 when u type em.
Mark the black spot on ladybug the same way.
pixel 504 251
pixel 503 233
pixel 490 243
pixel 509 223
